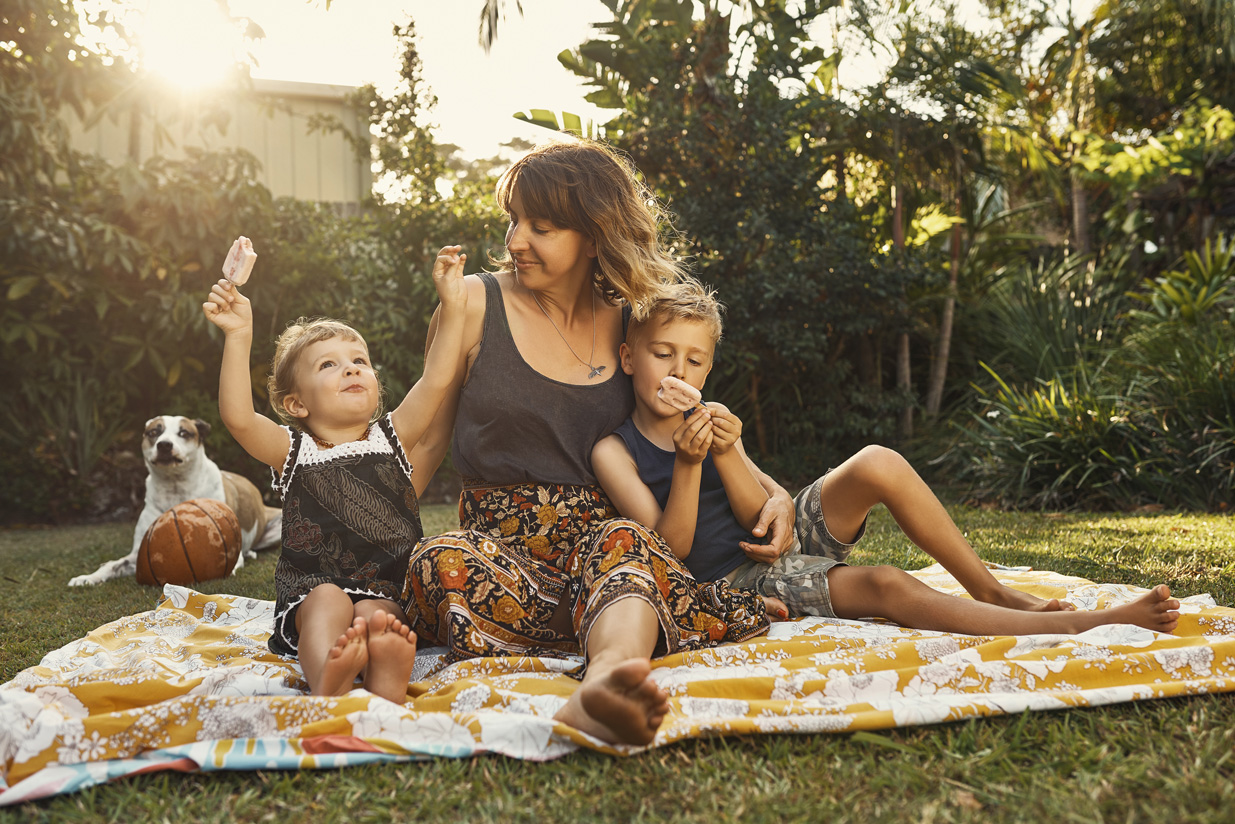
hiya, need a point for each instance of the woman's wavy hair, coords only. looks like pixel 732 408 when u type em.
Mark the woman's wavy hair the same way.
pixel 299 334
pixel 589 187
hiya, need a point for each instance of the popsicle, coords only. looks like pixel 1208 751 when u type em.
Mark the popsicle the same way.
pixel 240 260
pixel 678 393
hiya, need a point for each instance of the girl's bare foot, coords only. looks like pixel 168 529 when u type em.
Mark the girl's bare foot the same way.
pixel 344 661
pixel 622 706
pixel 1155 610
pixel 392 654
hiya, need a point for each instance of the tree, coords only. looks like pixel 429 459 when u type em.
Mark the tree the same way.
pixel 491 14
pixel 723 114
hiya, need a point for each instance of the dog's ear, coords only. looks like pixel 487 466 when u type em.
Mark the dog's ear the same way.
pixel 203 429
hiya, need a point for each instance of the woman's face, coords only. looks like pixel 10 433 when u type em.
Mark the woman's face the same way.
pixel 544 253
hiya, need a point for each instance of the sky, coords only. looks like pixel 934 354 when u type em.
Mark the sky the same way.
pixel 351 44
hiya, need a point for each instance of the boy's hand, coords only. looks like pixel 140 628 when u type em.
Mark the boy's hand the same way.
pixel 227 309
pixel 726 428
pixel 448 275
pixel 693 438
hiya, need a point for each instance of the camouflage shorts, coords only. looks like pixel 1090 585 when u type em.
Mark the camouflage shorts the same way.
pixel 800 576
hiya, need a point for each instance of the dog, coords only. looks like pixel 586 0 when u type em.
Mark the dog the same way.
pixel 180 471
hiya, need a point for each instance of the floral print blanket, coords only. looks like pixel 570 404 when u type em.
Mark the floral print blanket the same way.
pixel 191 685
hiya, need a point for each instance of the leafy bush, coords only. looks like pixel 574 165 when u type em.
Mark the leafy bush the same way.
pixel 1147 418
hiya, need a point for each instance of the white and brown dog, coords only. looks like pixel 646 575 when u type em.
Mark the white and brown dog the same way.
pixel 180 471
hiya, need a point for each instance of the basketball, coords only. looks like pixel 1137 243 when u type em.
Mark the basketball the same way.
pixel 197 540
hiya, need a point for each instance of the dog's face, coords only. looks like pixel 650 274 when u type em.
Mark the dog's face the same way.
pixel 171 440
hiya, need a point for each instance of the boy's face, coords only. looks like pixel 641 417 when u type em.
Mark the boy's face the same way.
pixel 667 346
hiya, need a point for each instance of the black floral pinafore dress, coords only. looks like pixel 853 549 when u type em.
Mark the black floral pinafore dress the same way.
pixel 350 518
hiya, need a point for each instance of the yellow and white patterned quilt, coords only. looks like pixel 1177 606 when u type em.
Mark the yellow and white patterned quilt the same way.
pixel 192 686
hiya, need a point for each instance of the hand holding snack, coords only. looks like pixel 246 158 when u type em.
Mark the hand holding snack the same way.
pixel 239 262
pixel 229 310
pixel 726 428
pixel 693 439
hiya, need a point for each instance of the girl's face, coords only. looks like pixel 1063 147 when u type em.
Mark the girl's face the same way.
pixel 336 386
pixel 544 253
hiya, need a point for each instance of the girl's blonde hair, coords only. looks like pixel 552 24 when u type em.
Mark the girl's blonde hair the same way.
pixel 587 186
pixel 299 334
pixel 687 300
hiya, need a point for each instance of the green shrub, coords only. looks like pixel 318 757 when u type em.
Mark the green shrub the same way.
pixel 1146 418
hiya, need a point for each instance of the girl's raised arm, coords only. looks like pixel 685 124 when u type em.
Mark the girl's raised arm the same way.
pixel 261 437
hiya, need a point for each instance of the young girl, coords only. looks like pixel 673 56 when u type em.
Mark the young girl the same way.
pixel 350 514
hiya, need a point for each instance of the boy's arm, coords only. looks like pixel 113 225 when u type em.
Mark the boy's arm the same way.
pixel 261 437
pixel 619 476
pixel 746 495
pixel 444 360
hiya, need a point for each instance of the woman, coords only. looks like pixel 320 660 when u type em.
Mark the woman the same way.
pixel 540 567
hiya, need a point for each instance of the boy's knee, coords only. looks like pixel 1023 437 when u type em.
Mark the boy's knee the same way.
pixel 881 464
pixel 889 581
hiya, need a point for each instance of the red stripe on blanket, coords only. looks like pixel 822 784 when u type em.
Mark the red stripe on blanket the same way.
pixel 324 744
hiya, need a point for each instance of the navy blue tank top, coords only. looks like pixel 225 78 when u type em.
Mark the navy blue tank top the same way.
pixel 715 552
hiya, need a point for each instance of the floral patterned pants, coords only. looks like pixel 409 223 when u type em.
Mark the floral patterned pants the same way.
pixel 493 587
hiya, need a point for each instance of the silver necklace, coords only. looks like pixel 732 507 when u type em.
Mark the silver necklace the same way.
pixel 593 371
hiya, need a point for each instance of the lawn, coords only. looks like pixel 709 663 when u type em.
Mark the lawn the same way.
pixel 1167 760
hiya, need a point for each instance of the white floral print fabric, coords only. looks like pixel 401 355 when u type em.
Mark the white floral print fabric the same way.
pixel 192 685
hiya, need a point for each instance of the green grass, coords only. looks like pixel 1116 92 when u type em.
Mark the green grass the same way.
pixel 1168 760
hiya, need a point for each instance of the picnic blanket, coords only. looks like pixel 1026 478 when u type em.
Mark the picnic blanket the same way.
pixel 191 685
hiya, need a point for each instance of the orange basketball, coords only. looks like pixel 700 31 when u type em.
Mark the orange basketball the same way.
pixel 197 540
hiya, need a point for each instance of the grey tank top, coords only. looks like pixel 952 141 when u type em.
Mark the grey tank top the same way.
pixel 515 426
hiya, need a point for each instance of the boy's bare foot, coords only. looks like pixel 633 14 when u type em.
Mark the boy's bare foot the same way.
pixel 1155 610
pixel 392 654
pixel 622 706
pixel 775 608
pixel 344 661
pixel 1011 598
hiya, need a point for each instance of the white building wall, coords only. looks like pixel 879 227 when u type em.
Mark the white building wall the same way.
pixel 270 121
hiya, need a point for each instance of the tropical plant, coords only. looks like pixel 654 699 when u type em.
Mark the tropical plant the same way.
pixel 1139 408
pixel 1201 292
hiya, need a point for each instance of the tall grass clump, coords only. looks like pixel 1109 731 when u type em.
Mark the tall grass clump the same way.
pixel 1138 406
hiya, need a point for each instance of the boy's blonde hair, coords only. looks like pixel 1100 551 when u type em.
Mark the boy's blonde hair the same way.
pixel 299 334
pixel 587 186
pixel 688 299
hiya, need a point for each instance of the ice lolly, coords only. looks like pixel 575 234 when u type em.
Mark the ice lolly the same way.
pixel 679 394
pixel 240 260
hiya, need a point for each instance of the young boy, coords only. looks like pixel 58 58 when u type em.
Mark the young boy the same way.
pixel 691 481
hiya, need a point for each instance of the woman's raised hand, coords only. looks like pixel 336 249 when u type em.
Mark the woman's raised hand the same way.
pixel 448 275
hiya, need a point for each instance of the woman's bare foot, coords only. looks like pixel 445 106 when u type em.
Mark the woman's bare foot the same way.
pixel 392 654
pixel 344 661
pixel 1155 610
pixel 1011 598
pixel 622 705
pixel 775 608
